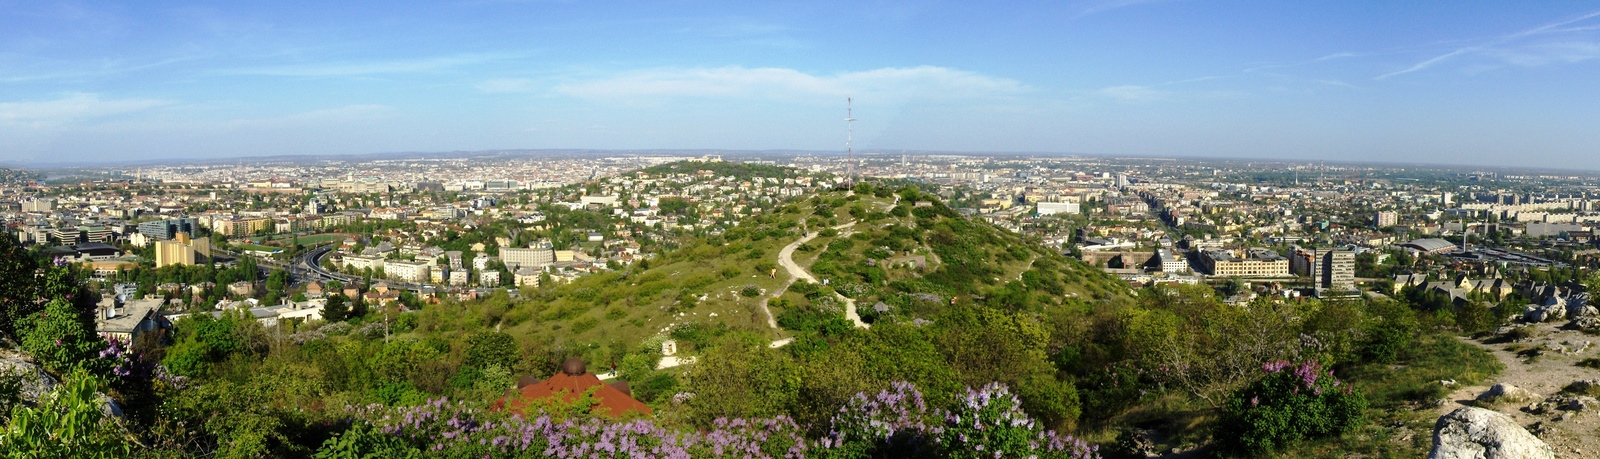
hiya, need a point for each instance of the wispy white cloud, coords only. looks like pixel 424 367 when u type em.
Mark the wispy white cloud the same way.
pixel 791 84
pixel 73 107
pixel 505 85
pixel 23 69
pixel 1108 5
pixel 1132 93
pixel 1335 56
pixel 1337 83
pixel 1430 62
pixel 1495 45
pixel 344 69
pixel 345 113
pixel 1547 53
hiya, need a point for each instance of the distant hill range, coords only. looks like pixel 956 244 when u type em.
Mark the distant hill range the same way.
pixel 525 153
pixel 13 177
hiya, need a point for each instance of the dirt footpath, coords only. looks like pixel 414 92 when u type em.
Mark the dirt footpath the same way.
pixel 1543 363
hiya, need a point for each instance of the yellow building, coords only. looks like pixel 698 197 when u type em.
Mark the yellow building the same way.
pixel 244 227
pixel 182 251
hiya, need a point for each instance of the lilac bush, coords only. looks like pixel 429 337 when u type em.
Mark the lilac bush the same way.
pixel 299 338
pixel 444 429
pixel 121 361
pixel 893 423
pixel 989 423
pixel 1290 403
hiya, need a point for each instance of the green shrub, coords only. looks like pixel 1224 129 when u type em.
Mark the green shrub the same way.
pixel 67 423
pixel 1391 333
pixel 1590 363
pixel 491 348
pixel 808 320
pixel 1292 403
pixel 1582 388
pixel 59 336
pixel 584 324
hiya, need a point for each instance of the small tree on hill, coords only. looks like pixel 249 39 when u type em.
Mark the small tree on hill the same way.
pixel 358 308
pixel 335 310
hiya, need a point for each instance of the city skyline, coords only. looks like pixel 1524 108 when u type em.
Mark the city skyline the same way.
pixel 1479 84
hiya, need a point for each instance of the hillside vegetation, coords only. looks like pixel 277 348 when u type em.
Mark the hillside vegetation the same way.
pixel 959 320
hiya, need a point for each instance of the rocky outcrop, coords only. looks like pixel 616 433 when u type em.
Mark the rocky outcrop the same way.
pixel 1477 433
pixel 1586 324
pixel 1506 393
pixel 1577 308
pixel 1579 302
pixel 35 382
pixel 1537 313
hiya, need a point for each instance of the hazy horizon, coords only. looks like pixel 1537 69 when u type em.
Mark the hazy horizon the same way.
pixel 1471 84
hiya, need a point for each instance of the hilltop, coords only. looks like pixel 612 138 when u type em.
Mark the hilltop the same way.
pixel 900 254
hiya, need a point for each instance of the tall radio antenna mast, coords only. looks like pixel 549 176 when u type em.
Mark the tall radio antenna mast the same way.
pixel 849 149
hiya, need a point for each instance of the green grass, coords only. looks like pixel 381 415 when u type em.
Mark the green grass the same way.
pixel 309 239
pixel 321 238
pixel 1431 359
pixel 1584 389
pixel 1400 394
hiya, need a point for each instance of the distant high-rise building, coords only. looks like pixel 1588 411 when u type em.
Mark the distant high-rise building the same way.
pixel 1336 272
pixel 313 206
pixel 1122 180
pixel 167 229
pixel 1386 218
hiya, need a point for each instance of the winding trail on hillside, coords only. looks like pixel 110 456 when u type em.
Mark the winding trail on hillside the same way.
pixel 786 260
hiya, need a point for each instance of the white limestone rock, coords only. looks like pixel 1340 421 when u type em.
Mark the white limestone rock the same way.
pixel 1477 433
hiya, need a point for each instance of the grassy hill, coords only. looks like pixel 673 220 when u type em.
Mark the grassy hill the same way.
pixel 864 249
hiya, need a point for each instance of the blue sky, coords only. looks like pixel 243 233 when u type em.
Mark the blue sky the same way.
pixel 1462 82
